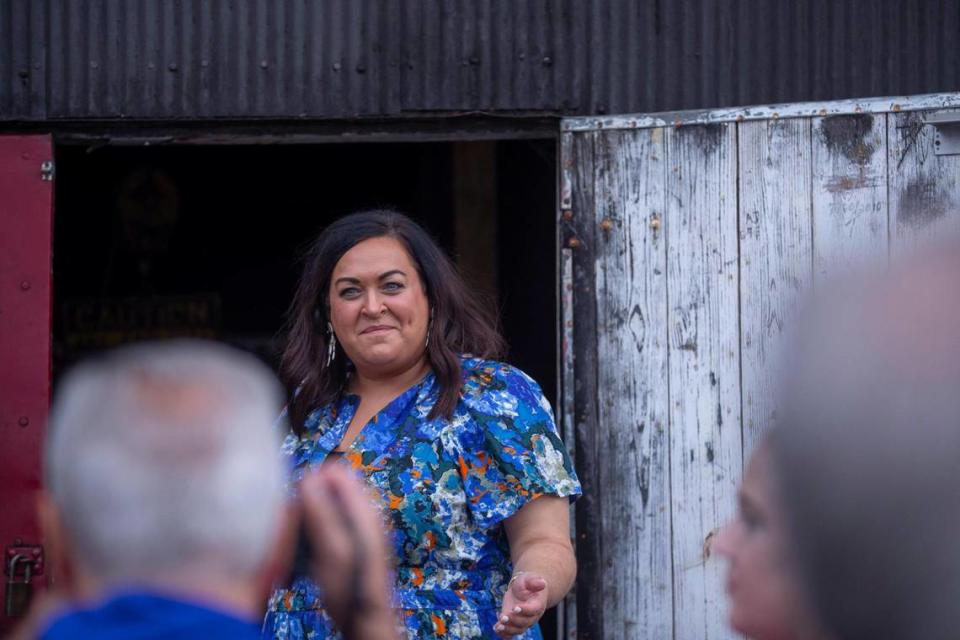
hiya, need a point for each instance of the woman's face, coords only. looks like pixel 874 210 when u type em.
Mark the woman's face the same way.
pixel 764 598
pixel 378 307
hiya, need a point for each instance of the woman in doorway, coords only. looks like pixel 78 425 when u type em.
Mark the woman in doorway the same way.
pixel 766 601
pixel 392 358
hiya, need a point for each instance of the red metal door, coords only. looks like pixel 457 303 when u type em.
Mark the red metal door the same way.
pixel 26 225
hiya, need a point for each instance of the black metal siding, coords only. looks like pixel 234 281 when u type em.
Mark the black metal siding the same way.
pixel 201 59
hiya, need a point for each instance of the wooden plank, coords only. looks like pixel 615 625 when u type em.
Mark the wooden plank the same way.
pixel 632 379
pixel 924 187
pixel 577 233
pixel 704 370
pixel 776 250
pixel 849 191
pixel 924 102
pixel 567 609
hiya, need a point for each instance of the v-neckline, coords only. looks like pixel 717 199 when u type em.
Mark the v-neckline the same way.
pixel 352 400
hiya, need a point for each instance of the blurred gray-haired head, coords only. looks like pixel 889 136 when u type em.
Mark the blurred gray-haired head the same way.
pixel 164 457
pixel 868 451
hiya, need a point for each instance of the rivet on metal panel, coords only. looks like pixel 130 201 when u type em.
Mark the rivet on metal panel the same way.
pixel 264 64
pixel 24 74
pixel 606 224
pixel 361 68
pixel 25 285
pixel 573 243
pixel 204 63
pixel 473 60
pixel 172 67
pixel 94 65
pixel 547 61
pixel 24 421
pixel 567 214
pixel 336 66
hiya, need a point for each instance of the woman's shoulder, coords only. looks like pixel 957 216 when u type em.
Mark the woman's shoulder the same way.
pixel 490 385
pixel 481 374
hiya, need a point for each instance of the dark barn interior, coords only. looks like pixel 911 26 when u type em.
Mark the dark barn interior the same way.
pixel 158 242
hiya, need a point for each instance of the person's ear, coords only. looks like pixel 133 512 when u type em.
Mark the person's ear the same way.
pixel 279 559
pixel 61 563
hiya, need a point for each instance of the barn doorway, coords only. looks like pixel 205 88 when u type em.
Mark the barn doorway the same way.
pixel 203 241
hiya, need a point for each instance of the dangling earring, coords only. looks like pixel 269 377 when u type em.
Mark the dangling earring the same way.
pixel 331 344
pixel 426 342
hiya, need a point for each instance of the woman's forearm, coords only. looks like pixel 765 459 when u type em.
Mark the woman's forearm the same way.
pixel 552 560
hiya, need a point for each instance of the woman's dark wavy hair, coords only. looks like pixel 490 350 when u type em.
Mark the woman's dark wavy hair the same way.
pixel 461 323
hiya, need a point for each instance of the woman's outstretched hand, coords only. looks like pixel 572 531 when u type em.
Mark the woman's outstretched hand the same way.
pixel 523 604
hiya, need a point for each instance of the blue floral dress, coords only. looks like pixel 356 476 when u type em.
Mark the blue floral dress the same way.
pixel 446 487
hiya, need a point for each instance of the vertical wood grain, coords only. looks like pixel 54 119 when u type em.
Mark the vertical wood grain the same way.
pixel 775 255
pixel 632 379
pixel 704 368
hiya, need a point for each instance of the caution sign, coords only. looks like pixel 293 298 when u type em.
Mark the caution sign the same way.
pixel 101 323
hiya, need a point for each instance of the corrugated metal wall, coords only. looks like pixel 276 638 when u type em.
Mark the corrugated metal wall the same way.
pixel 186 59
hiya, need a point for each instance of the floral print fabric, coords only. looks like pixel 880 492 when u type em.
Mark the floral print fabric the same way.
pixel 446 487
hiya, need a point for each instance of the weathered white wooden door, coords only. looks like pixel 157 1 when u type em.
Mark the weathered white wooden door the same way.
pixel 685 241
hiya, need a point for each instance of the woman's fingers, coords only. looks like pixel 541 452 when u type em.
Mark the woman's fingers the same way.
pixel 526 613
pixel 513 627
pixel 519 615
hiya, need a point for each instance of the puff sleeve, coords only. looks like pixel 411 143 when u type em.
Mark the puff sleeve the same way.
pixel 510 451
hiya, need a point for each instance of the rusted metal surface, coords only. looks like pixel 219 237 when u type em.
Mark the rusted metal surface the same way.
pixel 303 59
pixel 26 217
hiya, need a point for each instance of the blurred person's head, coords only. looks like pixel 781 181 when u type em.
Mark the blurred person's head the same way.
pixel 868 452
pixel 161 471
pixel 766 601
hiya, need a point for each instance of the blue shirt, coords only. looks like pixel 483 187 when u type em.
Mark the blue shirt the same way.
pixel 147 616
